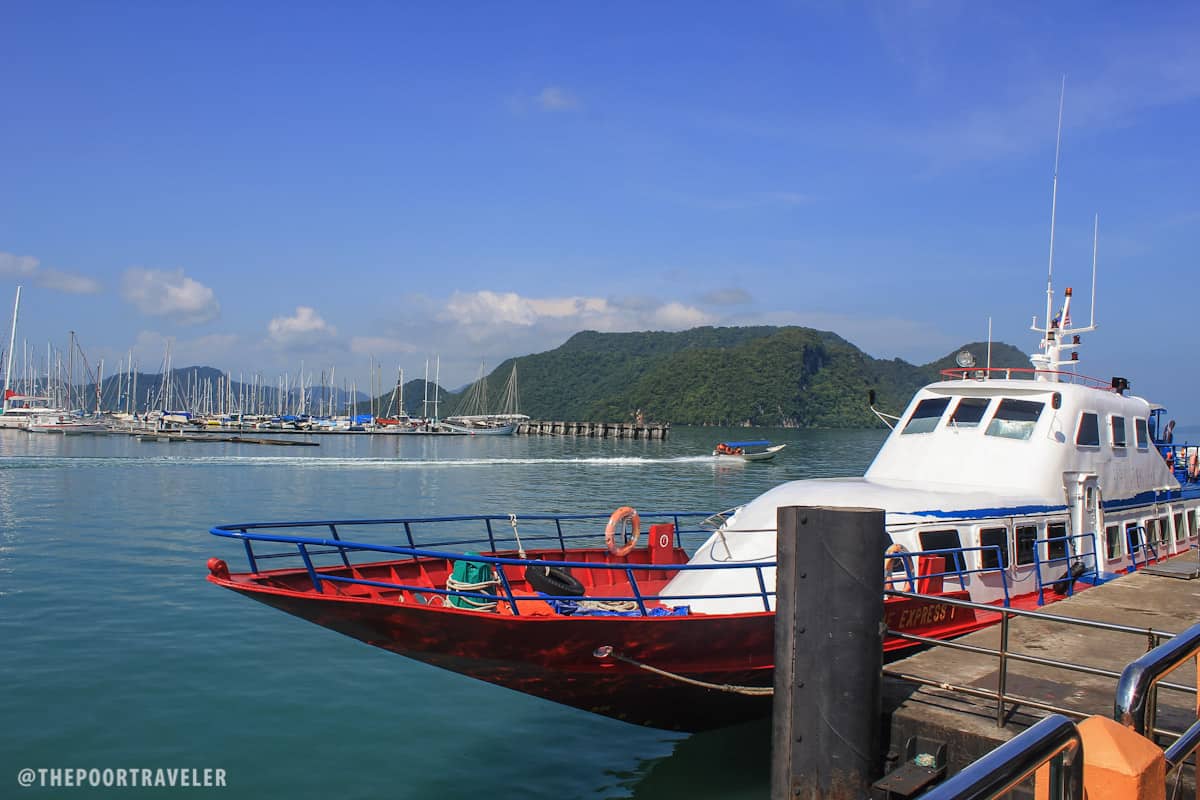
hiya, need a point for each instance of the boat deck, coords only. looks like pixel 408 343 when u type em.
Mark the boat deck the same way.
pixel 1152 602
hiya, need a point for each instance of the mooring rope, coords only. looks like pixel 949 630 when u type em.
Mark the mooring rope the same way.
pixel 512 520
pixel 475 603
pixel 607 651
pixel 609 605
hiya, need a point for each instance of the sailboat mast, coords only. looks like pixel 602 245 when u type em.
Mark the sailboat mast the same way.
pixel 12 339
pixel 437 383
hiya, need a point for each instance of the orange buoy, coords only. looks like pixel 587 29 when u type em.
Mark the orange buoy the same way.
pixel 618 518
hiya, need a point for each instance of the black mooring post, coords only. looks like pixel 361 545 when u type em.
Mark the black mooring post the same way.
pixel 828 652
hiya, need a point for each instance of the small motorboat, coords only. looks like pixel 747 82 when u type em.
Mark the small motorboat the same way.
pixel 760 450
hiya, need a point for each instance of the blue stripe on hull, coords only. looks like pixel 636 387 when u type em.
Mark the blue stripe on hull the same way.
pixel 1141 499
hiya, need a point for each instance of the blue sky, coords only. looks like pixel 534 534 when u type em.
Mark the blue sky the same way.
pixel 267 185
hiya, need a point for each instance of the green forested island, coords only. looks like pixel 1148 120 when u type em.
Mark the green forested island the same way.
pixel 757 376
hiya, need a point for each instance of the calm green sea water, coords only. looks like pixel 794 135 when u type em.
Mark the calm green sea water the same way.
pixel 115 652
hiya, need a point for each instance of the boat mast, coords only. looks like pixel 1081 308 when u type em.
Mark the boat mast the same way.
pixel 1053 211
pixel 12 339
pixel 1095 242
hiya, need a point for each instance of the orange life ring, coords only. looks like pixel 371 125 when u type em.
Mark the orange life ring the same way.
pixel 891 561
pixel 618 518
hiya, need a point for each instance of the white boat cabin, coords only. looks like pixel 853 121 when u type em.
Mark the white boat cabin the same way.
pixel 1030 472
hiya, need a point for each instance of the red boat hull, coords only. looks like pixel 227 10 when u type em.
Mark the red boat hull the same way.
pixel 553 656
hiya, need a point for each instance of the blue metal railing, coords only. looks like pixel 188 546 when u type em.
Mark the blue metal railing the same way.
pixel 1144 545
pixel 1070 557
pixel 546 532
pixel 307 547
pixel 959 571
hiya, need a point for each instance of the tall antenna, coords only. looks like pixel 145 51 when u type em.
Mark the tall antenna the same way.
pixel 1095 241
pixel 989 350
pixel 1054 208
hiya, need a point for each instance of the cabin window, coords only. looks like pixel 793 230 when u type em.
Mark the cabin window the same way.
pixel 998 538
pixel 1180 530
pixel 1164 534
pixel 926 415
pixel 1112 537
pixel 944 540
pixel 1056 541
pixel 1015 419
pixel 1151 531
pixel 1118 431
pixel 1026 541
pixel 969 412
pixel 1191 523
pixel 1139 430
pixel 1088 434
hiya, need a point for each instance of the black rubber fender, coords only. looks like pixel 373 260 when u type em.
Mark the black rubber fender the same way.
pixel 556 581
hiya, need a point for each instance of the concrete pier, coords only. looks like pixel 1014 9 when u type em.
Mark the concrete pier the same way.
pixel 939 709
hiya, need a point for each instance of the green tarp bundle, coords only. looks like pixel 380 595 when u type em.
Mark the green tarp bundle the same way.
pixel 471 576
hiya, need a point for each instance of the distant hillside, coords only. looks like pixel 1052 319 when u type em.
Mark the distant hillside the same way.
pixel 788 376
pixel 780 376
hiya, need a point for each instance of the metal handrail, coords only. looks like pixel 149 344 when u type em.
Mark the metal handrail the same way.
pixel 1144 543
pixel 335 544
pixel 906 559
pixel 1004 656
pixel 967 373
pixel 1054 741
pixel 1136 706
pixel 1071 558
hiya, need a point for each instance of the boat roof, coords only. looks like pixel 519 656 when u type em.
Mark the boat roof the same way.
pixel 758 443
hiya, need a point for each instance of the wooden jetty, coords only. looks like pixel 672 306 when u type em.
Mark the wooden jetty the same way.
pixel 598 430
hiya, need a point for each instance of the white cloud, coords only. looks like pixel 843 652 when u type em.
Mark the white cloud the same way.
pixel 30 268
pixel 484 313
pixel 379 345
pixel 17 266
pixel 555 98
pixel 302 329
pixel 162 293
pixel 677 316
pixel 67 282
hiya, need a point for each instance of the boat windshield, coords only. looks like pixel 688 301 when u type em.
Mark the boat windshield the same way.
pixel 1015 419
pixel 969 412
pixel 926 415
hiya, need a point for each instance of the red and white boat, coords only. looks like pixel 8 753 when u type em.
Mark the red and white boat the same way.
pixel 999 486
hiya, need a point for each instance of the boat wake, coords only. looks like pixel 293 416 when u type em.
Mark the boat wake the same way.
pixel 301 462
